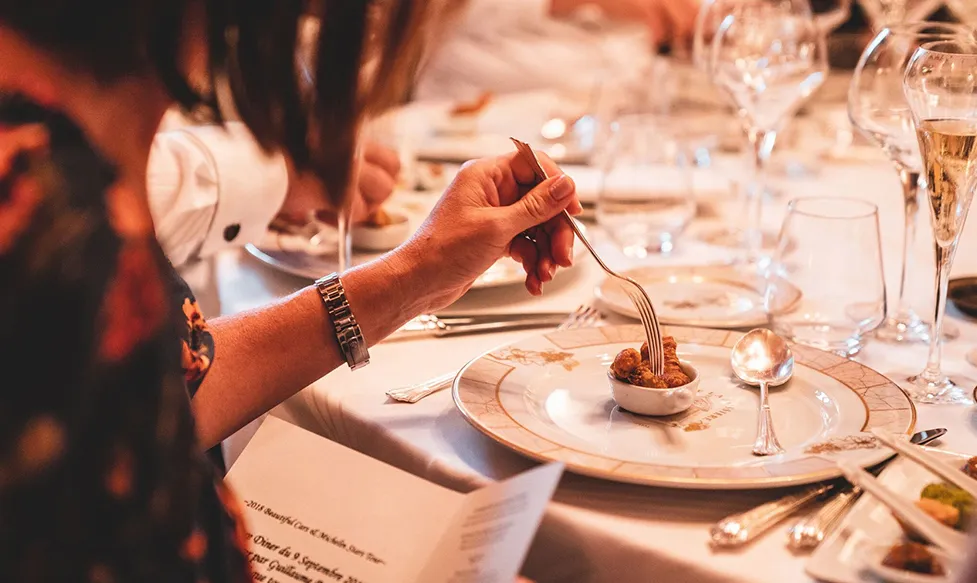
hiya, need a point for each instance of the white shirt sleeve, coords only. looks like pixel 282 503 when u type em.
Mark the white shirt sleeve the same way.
pixel 211 188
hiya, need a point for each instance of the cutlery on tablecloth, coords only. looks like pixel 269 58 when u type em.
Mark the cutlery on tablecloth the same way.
pixel 637 294
pixel 811 530
pixel 739 529
pixel 582 317
pixel 440 326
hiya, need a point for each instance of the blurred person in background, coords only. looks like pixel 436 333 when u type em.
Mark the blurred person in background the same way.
pixel 212 188
pixel 505 46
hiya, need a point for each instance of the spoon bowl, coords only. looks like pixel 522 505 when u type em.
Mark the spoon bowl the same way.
pixel 763 359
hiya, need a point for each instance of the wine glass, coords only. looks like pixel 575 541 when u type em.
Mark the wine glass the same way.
pixel 769 57
pixel 878 108
pixel 941 87
pixel 646 198
pixel 841 302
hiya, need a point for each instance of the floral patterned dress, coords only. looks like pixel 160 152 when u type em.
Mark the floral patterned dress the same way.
pixel 101 477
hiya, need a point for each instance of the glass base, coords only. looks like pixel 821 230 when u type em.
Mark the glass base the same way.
pixel 910 330
pixel 940 391
pixel 903 331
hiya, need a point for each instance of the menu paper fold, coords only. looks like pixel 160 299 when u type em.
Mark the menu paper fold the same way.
pixel 318 512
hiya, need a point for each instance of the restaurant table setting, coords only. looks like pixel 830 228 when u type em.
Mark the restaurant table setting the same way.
pixel 725 411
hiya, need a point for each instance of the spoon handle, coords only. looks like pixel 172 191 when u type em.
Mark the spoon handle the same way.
pixel 766 439
pixel 739 529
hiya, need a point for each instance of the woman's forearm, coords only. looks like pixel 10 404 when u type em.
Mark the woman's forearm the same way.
pixel 264 356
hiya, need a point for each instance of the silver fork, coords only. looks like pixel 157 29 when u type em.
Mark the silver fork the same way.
pixel 637 294
pixel 583 317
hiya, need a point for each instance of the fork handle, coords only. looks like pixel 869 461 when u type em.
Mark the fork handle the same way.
pixel 811 530
pixel 435 388
pixel 739 529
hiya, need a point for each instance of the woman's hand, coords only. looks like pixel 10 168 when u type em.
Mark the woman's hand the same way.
pixel 481 218
pixel 379 169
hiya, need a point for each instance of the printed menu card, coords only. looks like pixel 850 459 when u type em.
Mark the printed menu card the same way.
pixel 318 512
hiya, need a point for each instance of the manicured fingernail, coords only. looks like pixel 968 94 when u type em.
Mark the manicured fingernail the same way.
pixel 562 187
pixel 552 270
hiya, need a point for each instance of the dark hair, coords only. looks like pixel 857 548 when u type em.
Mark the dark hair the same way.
pixel 312 112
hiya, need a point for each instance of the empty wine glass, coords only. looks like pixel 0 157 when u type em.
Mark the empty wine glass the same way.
pixel 878 108
pixel 646 197
pixel 769 57
pixel 941 87
pixel 830 250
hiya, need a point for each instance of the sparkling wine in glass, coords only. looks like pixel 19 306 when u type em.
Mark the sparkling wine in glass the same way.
pixel 941 87
pixel 769 57
pixel 878 108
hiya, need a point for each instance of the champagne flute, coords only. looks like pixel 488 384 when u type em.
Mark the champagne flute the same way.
pixel 769 57
pixel 878 108
pixel 941 87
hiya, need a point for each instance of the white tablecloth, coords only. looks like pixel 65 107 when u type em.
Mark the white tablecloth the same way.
pixel 594 531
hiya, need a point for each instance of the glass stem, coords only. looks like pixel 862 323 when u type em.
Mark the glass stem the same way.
pixel 910 192
pixel 944 257
pixel 762 142
pixel 345 248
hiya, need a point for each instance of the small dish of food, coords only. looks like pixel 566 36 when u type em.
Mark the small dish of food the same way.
pixel 910 562
pixel 638 390
pixel 913 560
pixel 381 231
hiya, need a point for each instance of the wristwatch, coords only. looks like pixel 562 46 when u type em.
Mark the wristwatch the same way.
pixel 348 335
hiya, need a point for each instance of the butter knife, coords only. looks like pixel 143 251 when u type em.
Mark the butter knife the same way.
pixel 438 326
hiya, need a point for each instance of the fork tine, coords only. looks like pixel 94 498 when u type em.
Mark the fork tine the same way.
pixel 649 334
pixel 649 321
pixel 573 319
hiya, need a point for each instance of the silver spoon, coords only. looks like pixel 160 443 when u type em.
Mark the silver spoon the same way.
pixel 761 358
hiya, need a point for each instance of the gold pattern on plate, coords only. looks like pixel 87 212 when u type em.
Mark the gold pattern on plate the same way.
pixel 478 400
pixel 537 357
pixel 705 409
pixel 720 300
pixel 846 443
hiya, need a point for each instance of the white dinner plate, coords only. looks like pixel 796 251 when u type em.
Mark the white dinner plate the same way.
pixel 705 296
pixel 548 398
pixel 275 253
pixel 844 556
